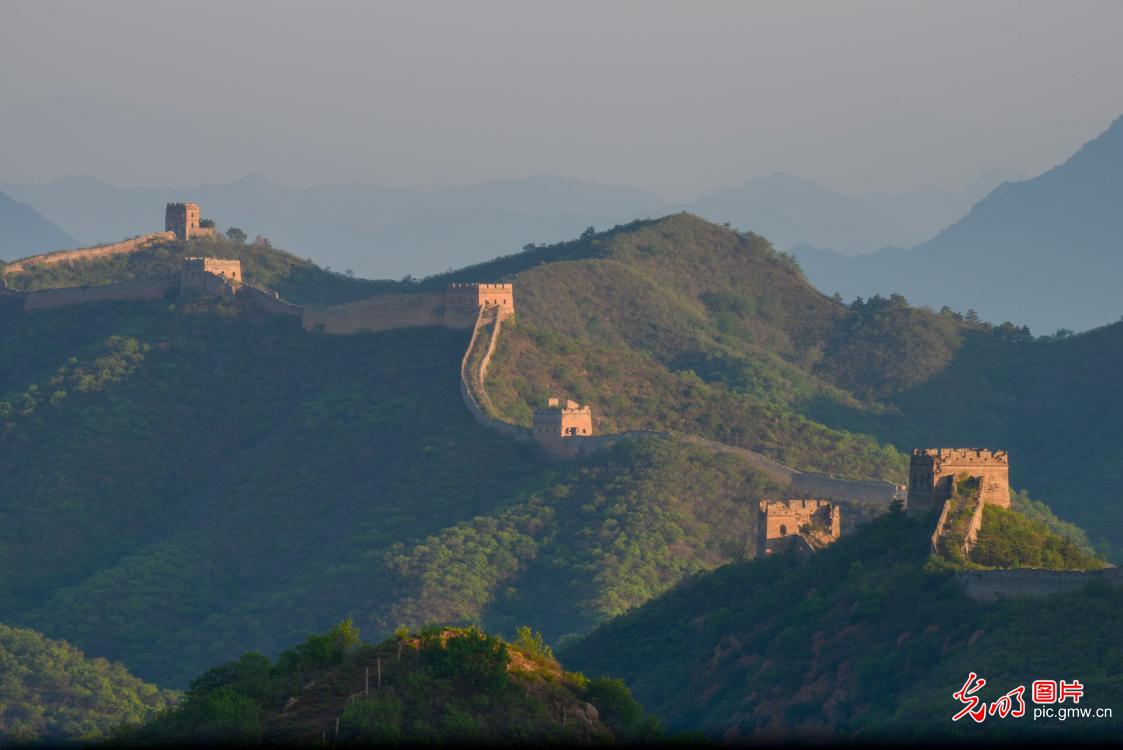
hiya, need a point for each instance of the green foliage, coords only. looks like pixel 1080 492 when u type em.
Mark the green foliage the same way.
pixel 616 704
pixel 884 347
pixel 375 720
pixel 531 643
pixel 1009 539
pixel 453 685
pixel 470 658
pixel 51 691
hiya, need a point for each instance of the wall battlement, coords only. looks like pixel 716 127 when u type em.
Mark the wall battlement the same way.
pixel 817 522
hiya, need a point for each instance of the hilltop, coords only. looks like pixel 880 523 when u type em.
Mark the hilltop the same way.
pixel 52 691
pixel 438 685
pixel 860 642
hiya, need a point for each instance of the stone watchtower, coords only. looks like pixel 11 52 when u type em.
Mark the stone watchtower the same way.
pixel 215 275
pixel 808 523
pixel 463 302
pixel 182 219
pixel 556 426
pixel 932 473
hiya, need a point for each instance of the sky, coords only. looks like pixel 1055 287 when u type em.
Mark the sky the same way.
pixel 677 98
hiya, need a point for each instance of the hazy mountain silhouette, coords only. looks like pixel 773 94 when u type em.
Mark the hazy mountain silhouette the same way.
pixel 390 232
pixel 377 231
pixel 25 231
pixel 1046 252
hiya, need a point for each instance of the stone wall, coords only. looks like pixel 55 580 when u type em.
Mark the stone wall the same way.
pixel 860 491
pixel 468 388
pixel 147 289
pixel 378 314
pixel 991 585
pixel 88 253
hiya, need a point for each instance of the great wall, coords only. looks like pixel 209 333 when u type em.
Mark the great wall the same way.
pixel 566 431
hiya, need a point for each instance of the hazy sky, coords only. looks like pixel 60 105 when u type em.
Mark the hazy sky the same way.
pixel 677 98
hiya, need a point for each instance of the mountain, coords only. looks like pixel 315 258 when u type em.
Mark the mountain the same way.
pixel 376 231
pixel 24 231
pixel 791 211
pixel 53 692
pixel 202 478
pixel 927 211
pixel 390 232
pixel 1043 252
pixel 862 643
pixel 441 685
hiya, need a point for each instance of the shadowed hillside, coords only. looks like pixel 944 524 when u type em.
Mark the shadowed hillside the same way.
pixel 858 642
pixel 52 691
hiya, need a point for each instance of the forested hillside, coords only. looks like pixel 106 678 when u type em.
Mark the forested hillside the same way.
pixel 50 690
pixel 440 685
pixel 861 642
pixel 187 480
pixel 198 479
pixel 684 325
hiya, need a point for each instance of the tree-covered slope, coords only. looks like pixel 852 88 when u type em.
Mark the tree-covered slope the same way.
pixel 684 325
pixel 51 691
pixel 199 478
pixel 860 641
pixel 437 686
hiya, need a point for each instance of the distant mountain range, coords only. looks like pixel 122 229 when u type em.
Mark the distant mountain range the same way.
pixel 24 231
pixel 1047 252
pixel 390 232
pixel 790 210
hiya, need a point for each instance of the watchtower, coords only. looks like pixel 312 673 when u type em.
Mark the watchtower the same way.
pixel 556 427
pixel 932 473
pixel 473 296
pixel 183 219
pixel 785 522
pixel 195 274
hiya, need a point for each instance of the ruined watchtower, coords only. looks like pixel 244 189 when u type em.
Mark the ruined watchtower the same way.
pixel 782 523
pixel 215 275
pixel 932 473
pixel 556 425
pixel 183 219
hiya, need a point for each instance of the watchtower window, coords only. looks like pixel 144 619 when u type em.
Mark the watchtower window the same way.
pixel 783 530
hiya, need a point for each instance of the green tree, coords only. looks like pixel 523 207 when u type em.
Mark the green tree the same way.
pixel 236 235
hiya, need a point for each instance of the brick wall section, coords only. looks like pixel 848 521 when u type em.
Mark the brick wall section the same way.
pixel 990 585
pixel 147 289
pixel 89 253
pixel 378 314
